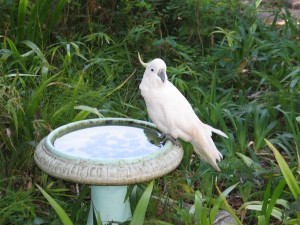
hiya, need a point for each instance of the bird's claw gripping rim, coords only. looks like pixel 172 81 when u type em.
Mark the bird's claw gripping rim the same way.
pixel 166 137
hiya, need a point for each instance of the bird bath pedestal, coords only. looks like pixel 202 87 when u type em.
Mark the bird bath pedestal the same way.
pixel 107 154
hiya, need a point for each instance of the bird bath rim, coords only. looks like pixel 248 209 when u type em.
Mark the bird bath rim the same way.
pixel 112 172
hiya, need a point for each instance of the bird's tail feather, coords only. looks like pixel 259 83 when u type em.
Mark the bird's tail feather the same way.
pixel 219 132
pixel 209 154
pixel 206 149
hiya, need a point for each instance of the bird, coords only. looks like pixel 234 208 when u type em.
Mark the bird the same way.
pixel 173 115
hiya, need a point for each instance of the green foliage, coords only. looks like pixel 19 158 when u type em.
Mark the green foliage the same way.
pixel 58 209
pixel 287 173
pixel 64 61
pixel 227 206
pixel 141 208
pixel 17 206
pixel 36 20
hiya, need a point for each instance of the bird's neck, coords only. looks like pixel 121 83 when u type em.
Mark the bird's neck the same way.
pixel 150 83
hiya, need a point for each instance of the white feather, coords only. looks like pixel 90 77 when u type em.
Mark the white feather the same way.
pixel 172 114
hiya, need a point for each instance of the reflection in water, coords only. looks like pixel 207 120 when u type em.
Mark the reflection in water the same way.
pixel 109 142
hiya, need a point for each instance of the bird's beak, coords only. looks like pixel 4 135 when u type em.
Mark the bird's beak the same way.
pixel 162 75
pixel 141 61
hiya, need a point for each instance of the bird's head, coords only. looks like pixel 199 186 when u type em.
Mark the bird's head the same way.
pixel 155 70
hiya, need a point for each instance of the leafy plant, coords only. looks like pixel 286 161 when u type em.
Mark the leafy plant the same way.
pixel 261 126
pixel 58 209
pixel 140 210
pixel 36 21
pixel 286 171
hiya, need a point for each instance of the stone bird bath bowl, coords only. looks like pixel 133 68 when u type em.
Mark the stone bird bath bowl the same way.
pixel 107 154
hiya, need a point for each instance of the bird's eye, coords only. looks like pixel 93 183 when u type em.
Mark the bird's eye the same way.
pixel 152 70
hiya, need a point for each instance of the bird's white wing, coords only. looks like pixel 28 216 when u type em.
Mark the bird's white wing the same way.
pixel 178 113
pixel 183 123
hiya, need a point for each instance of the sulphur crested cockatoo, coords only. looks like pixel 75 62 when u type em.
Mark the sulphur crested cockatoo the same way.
pixel 173 115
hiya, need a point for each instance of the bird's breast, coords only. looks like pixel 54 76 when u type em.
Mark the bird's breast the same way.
pixel 155 108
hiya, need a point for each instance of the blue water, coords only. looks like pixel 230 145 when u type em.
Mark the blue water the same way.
pixel 109 142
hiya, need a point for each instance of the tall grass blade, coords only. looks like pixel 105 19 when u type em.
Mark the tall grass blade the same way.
pixel 34 104
pixel 198 207
pixel 262 220
pixel 287 173
pixel 39 53
pixel 11 109
pixel 86 110
pixel 120 85
pixel 140 210
pixel 34 22
pixel 217 203
pixel 298 119
pixel 266 197
pixel 227 206
pixel 58 209
pixel 204 216
pixel 274 198
pixel 213 87
pixel 82 194
pixel 55 15
pixel 257 3
pixel 257 206
pixel 96 217
pixel 157 222
pixel 21 19
pixel 271 80
pixel 249 162
pixel 12 46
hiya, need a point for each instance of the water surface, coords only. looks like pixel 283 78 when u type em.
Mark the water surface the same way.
pixel 109 142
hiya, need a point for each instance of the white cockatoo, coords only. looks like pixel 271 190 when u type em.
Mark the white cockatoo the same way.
pixel 173 115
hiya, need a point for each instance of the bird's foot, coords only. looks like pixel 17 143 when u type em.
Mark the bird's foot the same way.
pixel 166 137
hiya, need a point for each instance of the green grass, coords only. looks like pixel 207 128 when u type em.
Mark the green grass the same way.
pixel 64 61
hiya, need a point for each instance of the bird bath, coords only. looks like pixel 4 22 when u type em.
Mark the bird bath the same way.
pixel 107 154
